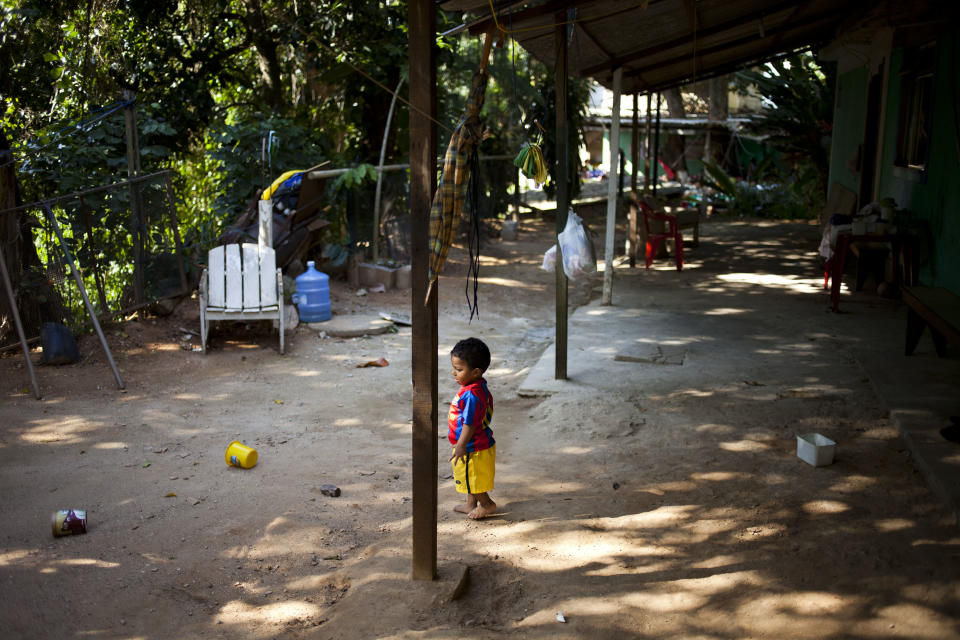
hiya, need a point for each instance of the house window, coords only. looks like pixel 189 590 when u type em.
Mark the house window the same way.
pixel 916 100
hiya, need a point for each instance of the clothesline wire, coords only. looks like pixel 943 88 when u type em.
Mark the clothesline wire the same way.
pixel 366 75
pixel 96 116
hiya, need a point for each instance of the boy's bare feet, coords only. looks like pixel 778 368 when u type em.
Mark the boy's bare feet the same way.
pixel 465 507
pixel 481 511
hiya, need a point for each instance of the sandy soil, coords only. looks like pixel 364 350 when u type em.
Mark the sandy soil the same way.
pixel 673 509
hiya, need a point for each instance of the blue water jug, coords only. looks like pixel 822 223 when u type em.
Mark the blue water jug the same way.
pixel 313 295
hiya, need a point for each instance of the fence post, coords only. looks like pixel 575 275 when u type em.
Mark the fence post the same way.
pixel 133 170
pixel 174 225
pixel 97 276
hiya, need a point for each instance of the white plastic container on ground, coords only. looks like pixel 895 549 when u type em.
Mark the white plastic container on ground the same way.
pixel 815 449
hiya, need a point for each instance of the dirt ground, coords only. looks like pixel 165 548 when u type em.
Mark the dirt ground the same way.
pixel 675 508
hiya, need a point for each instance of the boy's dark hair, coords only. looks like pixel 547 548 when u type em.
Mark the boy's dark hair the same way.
pixel 474 352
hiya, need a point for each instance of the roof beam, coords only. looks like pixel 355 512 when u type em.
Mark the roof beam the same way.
pixel 800 31
pixel 686 38
pixel 548 9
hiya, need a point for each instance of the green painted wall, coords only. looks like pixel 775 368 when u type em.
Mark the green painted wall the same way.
pixel 934 199
pixel 626 140
pixel 848 123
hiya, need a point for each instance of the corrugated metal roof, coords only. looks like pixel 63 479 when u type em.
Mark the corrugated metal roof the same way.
pixel 663 43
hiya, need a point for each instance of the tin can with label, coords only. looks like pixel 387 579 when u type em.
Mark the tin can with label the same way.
pixel 67 522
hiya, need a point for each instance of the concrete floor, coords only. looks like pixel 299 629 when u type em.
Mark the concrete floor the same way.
pixel 659 311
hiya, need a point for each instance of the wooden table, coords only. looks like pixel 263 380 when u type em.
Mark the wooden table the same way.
pixel 899 248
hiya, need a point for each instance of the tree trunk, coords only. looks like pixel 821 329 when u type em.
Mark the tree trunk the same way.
pixel 674 151
pixel 266 49
pixel 42 303
pixel 8 235
pixel 718 98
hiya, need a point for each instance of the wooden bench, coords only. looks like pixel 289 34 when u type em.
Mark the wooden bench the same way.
pixel 933 307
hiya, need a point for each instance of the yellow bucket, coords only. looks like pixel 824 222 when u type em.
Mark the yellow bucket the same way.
pixel 240 455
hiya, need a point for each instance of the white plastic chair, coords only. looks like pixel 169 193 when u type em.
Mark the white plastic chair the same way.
pixel 241 282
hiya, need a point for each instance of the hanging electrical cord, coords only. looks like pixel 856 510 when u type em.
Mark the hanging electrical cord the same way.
pixel 473 238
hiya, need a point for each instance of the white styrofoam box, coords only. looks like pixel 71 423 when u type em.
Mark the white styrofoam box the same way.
pixel 815 449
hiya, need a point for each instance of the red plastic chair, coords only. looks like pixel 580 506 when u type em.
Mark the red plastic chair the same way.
pixel 655 238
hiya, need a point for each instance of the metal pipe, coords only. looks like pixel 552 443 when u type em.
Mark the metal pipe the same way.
pixel 83 292
pixel 612 179
pixel 383 153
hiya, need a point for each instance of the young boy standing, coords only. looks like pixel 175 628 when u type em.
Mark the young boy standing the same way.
pixel 474 449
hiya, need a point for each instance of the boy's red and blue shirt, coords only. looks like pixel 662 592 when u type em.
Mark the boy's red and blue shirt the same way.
pixel 473 405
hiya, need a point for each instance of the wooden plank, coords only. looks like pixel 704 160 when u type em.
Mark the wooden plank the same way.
pixel 250 259
pixel 233 277
pixel 217 293
pixel 423 171
pixel 938 307
pixel 268 278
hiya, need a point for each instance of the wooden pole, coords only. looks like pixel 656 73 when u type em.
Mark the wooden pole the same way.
pixel 97 276
pixel 655 156
pixel 175 227
pixel 607 297
pixel 635 143
pixel 563 193
pixel 631 243
pixel 423 172
pixel 16 320
pixel 648 160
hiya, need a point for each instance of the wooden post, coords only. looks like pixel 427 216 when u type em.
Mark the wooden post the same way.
pixel 97 276
pixel 631 242
pixel 175 227
pixel 648 160
pixel 516 194
pixel 655 157
pixel 607 298
pixel 635 143
pixel 133 170
pixel 423 172
pixel 563 192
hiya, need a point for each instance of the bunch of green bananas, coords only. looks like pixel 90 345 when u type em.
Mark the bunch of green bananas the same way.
pixel 531 163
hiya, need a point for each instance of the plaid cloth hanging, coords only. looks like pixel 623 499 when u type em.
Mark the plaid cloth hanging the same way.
pixel 447 203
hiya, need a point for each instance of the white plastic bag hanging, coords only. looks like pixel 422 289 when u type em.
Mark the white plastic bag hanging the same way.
pixel 576 248
pixel 550 259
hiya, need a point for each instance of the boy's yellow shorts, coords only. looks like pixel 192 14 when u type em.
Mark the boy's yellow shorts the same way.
pixel 476 475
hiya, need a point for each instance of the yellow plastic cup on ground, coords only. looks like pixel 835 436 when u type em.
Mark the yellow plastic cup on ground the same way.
pixel 240 455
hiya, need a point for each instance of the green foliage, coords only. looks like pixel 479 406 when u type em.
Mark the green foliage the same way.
pixel 212 79
pixel 355 177
pixel 720 180
pixel 798 108
pixel 785 195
